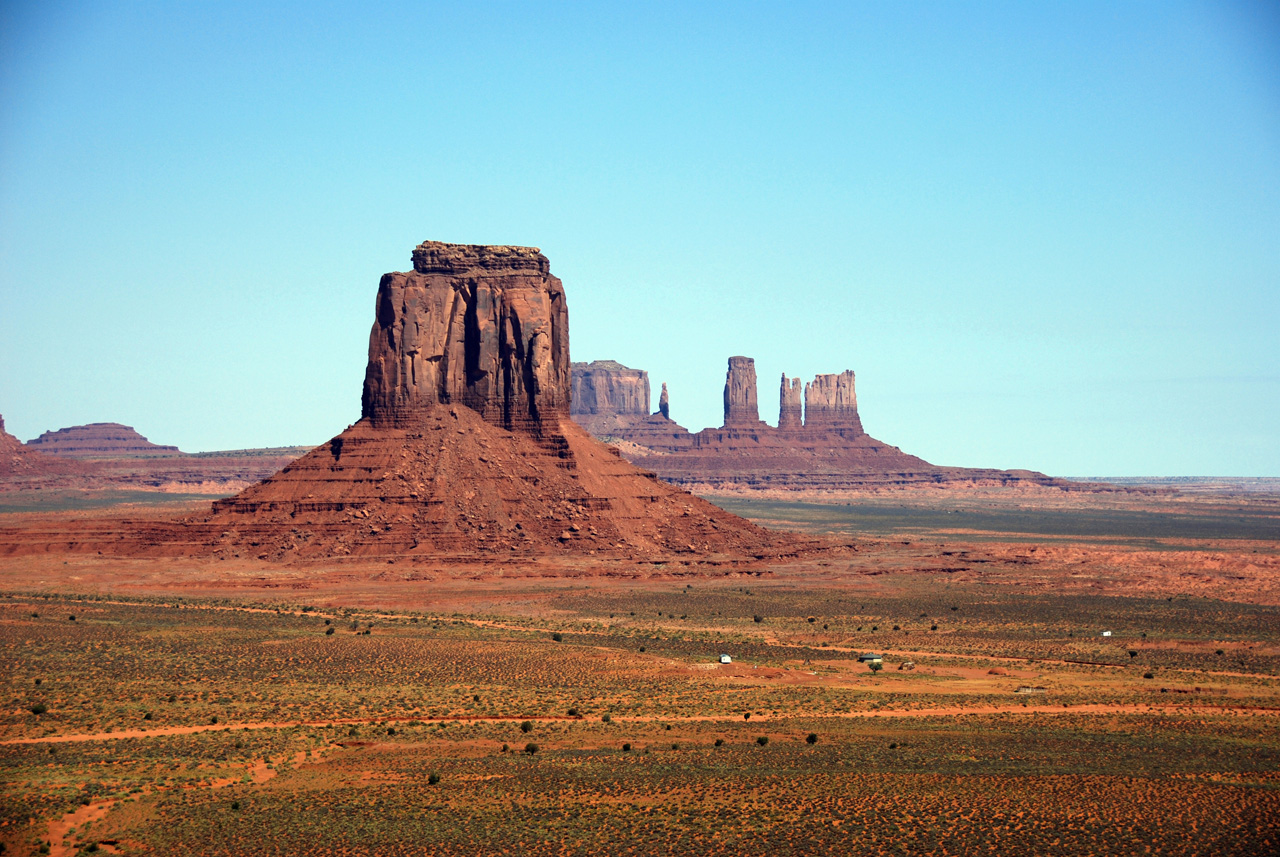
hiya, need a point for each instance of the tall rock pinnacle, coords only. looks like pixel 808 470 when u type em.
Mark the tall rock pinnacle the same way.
pixel 485 327
pixel 830 402
pixel 740 406
pixel 789 404
pixel 664 403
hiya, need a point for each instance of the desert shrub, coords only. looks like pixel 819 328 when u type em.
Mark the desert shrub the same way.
pixel 608 718
pixel 811 738
pixel 39 708
pixel 758 618
pixel 433 778
pixel 675 746
pixel 875 666
pixel 526 727
pixel 719 742
pixel 746 716
pixel 762 740
pixel 531 748
pixel 235 804
pixel 147 716
pixel 1148 675
pixel 328 631
pixel 626 748
pixel 557 636
pixel 573 712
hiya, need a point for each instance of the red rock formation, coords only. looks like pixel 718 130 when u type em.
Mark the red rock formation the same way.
pixel 790 417
pixel 830 403
pixel 485 327
pixel 608 387
pixel 830 452
pixel 740 407
pixel 664 403
pixel 447 460
pixel 98 440
pixel 24 468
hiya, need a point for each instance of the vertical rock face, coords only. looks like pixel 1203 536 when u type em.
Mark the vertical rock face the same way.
pixel 789 404
pixel 740 406
pixel 831 403
pixel 664 403
pixel 608 387
pixel 485 327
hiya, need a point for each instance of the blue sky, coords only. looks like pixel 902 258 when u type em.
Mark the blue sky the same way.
pixel 1044 235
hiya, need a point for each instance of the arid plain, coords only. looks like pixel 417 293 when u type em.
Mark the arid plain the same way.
pixel 579 706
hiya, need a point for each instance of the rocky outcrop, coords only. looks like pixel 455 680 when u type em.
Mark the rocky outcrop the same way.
pixel 790 415
pixel 664 403
pixel 466 446
pixel 741 410
pixel 830 403
pixel 827 452
pixel 98 440
pixel 608 387
pixel 484 327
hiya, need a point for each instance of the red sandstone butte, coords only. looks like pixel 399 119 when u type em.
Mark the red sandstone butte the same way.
pixel 466 445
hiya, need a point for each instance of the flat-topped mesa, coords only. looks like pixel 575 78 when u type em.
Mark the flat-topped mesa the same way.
pixel 99 440
pixel 831 404
pixel 740 407
pixel 608 387
pixel 789 404
pixel 485 327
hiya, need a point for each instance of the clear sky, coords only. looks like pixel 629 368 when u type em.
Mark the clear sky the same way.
pixel 1044 235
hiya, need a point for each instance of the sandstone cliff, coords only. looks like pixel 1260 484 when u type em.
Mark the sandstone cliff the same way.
pixel 98 440
pixel 485 327
pixel 831 403
pixel 608 387
pixel 741 410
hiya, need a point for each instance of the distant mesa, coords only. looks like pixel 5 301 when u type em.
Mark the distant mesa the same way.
pixel 818 445
pixel 98 440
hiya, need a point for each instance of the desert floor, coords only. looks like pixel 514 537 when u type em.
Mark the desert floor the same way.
pixel 558 706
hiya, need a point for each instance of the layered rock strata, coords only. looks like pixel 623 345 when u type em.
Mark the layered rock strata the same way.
pixel 484 327
pixel 98 440
pixel 741 410
pixel 466 446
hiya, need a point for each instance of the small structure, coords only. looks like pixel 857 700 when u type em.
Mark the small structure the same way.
pixel 869 658
pixel 725 659
pixel 907 665
pixel 1106 633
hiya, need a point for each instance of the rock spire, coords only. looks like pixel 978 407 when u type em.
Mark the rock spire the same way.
pixel 740 407
pixel 664 403
pixel 789 404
